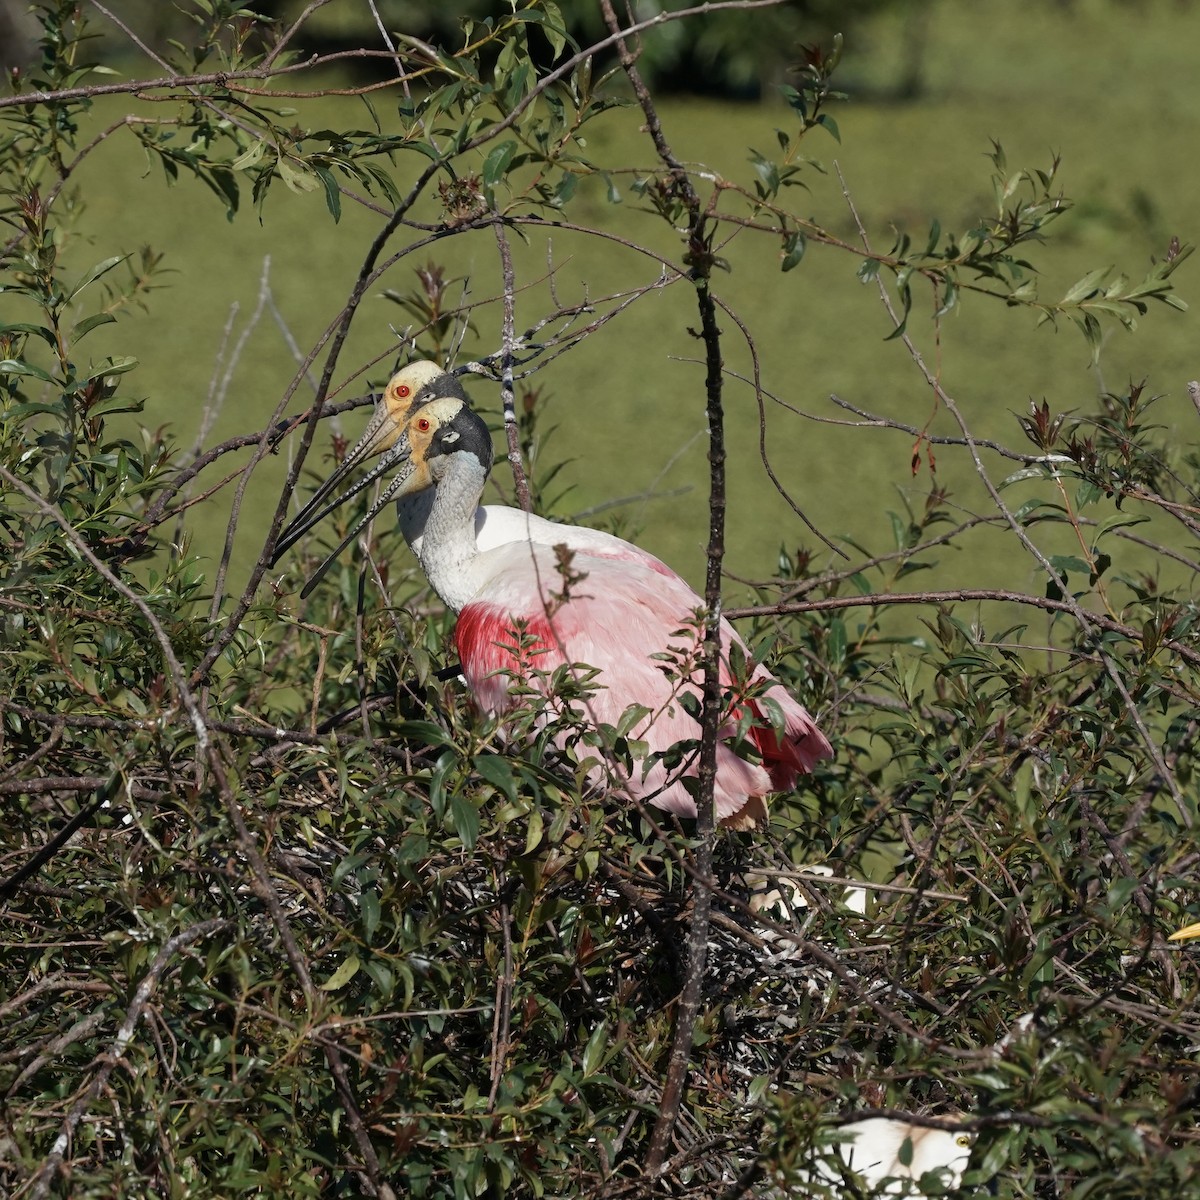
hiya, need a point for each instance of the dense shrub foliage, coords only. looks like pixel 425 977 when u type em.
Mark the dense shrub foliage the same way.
pixel 282 916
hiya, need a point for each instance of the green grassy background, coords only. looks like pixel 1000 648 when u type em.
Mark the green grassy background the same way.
pixel 1107 85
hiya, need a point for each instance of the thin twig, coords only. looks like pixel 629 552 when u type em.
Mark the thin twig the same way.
pixel 841 881
pixel 175 669
pixel 210 751
pixel 951 596
pixel 512 432
pixel 264 292
pixel 688 1006
pixel 502 1017
pixel 53 1163
pixel 1110 667
pixel 764 457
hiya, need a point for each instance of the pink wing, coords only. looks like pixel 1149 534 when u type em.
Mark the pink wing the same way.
pixel 617 618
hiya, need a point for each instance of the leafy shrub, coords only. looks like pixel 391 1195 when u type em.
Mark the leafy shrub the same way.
pixel 284 917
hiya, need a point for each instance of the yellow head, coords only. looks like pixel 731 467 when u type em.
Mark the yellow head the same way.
pixel 419 400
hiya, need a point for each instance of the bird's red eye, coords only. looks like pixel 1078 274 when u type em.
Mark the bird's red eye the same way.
pixel 404 391
pixel 423 424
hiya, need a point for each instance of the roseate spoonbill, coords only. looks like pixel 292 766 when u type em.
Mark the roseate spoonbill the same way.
pixel 533 596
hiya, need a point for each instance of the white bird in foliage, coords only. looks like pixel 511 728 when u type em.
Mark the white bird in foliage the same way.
pixel 536 599
pixel 1188 931
pixel 891 1156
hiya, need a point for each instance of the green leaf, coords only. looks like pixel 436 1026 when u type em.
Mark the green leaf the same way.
pixel 533 834
pixel 1039 471
pixel 423 733
pixel 498 772
pixel 552 23
pixel 431 152
pixel 381 976
pixel 1117 521
pixel 85 326
pixel 518 82
pixel 949 298
pixel 1085 287
pixel 251 157
pixel 868 270
pixel 115 404
pixel 16 366
pixel 836 643
pixel 47 335
pixel 342 975
pixel 497 163
pixel 565 189
pixel 110 366
pixel 1064 564
pixel 1022 514
pixel 33 408
pixel 828 123
pixel 904 295
pixel 333 194
pixel 101 268
pixel 298 177
pixel 796 100
pixel 794 246
pixel 465 816
pixel 593 1052
pixel 767 172
pixel 368 908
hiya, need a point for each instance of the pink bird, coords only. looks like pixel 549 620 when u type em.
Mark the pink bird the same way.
pixel 534 598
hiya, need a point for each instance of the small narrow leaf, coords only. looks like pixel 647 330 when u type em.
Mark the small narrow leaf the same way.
pixel 593 1052
pixel 498 772
pixel 333 194
pixel 829 124
pixel 296 175
pixel 1085 286
pixel 368 907
pixel 466 821
pixel 85 326
pixel 868 270
pixel 101 268
pixel 533 834
pixel 16 366
pixel 497 163
pixel 342 975
pixel 794 246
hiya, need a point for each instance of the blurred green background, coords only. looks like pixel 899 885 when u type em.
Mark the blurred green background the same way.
pixel 1106 85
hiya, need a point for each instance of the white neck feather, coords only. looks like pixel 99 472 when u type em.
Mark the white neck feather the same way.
pixel 439 525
